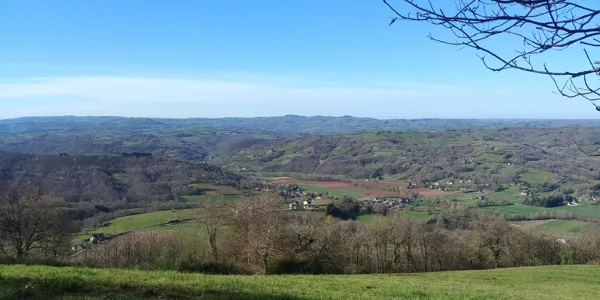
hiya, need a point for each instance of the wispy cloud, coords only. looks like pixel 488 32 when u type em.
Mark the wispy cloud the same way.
pixel 192 97
pixel 165 90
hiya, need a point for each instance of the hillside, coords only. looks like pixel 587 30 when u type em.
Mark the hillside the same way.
pixel 191 144
pixel 519 172
pixel 427 156
pixel 103 184
pixel 314 125
pixel 550 282
pixel 209 138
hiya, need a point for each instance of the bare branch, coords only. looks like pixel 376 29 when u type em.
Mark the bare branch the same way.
pixel 536 27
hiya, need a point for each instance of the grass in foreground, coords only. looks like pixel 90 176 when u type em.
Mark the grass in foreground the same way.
pixel 549 282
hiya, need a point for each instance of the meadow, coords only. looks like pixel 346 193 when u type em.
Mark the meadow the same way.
pixel 334 192
pixel 138 222
pixel 223 192
pixel 548 282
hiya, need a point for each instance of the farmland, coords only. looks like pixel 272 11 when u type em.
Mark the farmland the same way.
pixel 548 282
pixel 564 228
pixel 212 192
pixel 137 222
pixel 357 188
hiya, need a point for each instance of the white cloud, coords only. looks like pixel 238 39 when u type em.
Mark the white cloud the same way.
pixel 195 97
pixel 165 90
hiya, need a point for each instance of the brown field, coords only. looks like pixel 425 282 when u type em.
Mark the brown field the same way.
pixel 371 188
pixel 326 184
pixel 530 224
pixel 380 193
pixel 430 192
pixel 376 185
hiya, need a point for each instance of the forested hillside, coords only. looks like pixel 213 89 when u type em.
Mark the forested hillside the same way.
pixel 201 139
pixel 540 157
pixel 104 184
pixel 191 145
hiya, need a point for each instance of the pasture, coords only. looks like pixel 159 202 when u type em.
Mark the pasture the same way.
pixel 563 228
pixel 358 188
pixel 547 282
pixel 137 222
pixel 222 192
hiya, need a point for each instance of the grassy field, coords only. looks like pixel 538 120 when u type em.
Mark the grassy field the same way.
pixel 415 215
pixel 418 215
pixel 208 196
pixel 563 227
pixel 535 176
pixel 136 222
pixel 226 193
pixel 333 192
pixel 586 210
pixel 516 209
pixel 121 177
pixel 365 219
pixel 549 282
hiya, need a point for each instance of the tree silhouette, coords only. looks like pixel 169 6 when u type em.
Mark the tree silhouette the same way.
pixel 538 29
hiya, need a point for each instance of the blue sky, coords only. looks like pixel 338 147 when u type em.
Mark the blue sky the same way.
pixel 209 58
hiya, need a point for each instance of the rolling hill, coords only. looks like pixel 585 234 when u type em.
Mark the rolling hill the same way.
pixel 105 184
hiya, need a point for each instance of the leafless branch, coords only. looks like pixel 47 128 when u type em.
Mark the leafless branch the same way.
pixel 582 151
pixel 534 26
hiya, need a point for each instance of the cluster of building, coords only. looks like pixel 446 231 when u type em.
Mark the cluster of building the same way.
pixel 389 202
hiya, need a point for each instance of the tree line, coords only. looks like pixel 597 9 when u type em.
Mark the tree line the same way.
pixel 255 235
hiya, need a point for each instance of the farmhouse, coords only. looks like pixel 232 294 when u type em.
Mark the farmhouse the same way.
pixel 96 238
pixel 311 207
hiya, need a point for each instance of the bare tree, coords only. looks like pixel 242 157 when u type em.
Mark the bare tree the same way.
pixel 534 27
pixel 213 214
pixel 30 219
pixel 256 222
pixel 493 232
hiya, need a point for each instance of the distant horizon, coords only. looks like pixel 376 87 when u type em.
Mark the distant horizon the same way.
pixel 293 115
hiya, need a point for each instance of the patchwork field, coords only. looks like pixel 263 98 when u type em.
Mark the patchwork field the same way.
pixel 548 282
pixel 358 188
pixel 430 192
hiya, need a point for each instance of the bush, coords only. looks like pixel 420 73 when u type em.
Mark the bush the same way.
pixel 210 267
pixel 286 265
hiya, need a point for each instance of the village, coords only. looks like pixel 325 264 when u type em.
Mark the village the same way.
pixel 311 201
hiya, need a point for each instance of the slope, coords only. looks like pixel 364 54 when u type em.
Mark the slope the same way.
pixel 551 282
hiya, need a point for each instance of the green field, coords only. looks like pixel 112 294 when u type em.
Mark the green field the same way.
pixel 208 196
pixel 418 215
pixel 121 177
pixel 563 227
pixel 136 222
pixel 333 192
pixel 226 193
pixel 224 189
pixel 516 209
pixel 586 210
pixel 415 215
pixel 365 219
pixel 548 282
pixel 535 176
